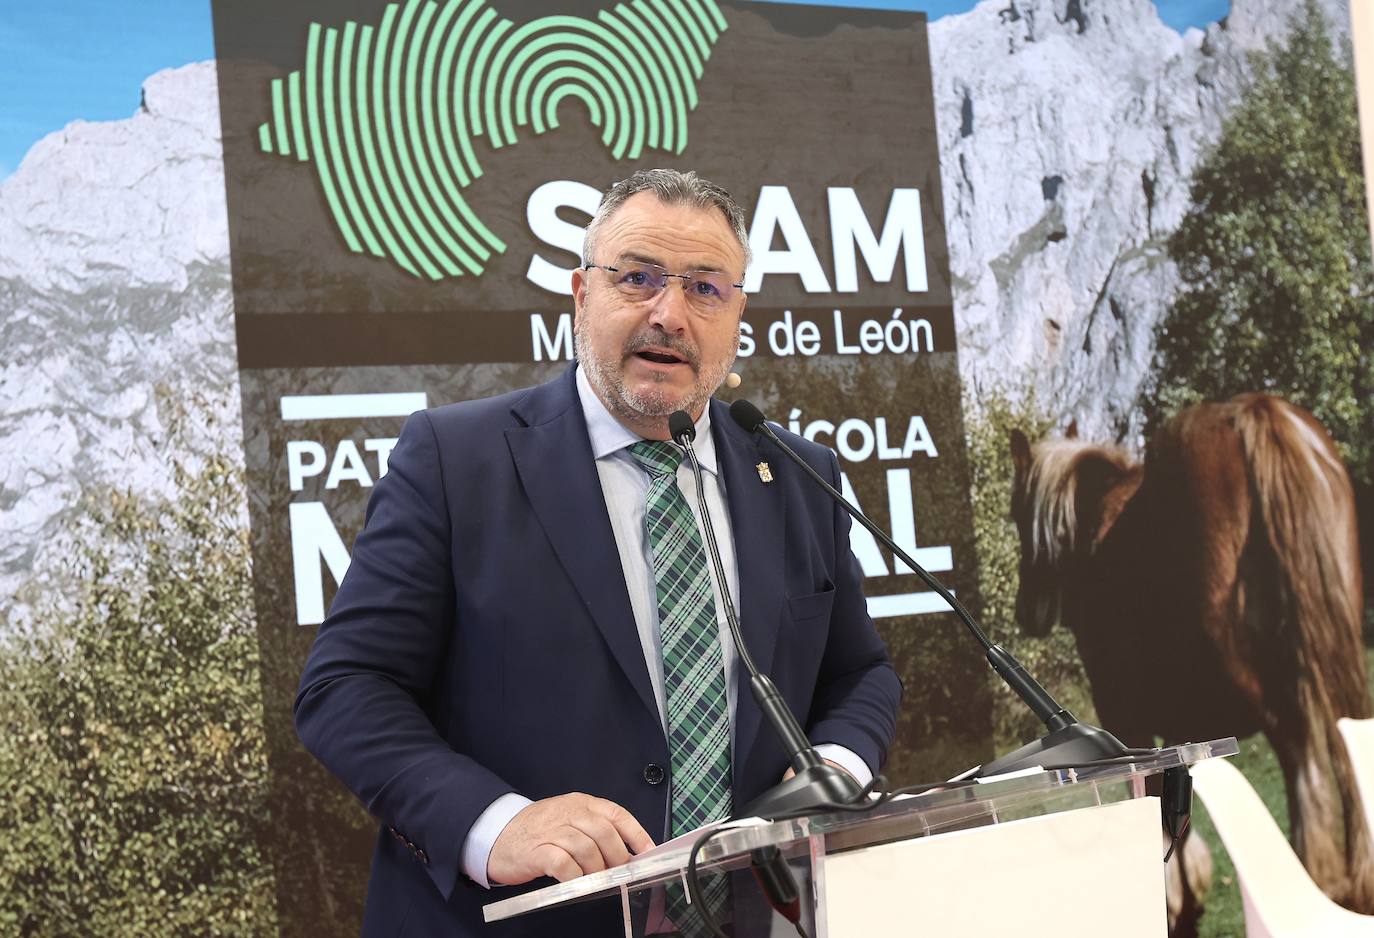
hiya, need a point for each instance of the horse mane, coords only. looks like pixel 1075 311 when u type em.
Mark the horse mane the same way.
pixel 1051 492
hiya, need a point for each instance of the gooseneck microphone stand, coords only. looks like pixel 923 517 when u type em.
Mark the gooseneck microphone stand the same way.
pixel 1068 741
pixel 816 785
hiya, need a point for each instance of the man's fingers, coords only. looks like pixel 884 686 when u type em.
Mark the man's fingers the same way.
pixel 629 830
pixel 606 837
pixel 565 837
pixel 581 847
pixel 553 860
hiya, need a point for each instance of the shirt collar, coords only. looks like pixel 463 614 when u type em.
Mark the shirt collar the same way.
pixel 609 436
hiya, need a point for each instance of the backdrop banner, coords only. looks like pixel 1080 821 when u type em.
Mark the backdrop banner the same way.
pixel 1002 261
pixel 407 185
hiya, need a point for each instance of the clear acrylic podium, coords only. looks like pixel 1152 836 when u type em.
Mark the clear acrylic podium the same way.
pixel 1064 851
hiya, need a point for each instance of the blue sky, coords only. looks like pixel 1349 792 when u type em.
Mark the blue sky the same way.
pixel 61 60
pixel 66 59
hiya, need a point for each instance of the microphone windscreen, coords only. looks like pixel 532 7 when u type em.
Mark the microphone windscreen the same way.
pixel 680 425
pixel 746 415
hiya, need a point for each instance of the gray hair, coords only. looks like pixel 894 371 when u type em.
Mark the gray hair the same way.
pixel 672 188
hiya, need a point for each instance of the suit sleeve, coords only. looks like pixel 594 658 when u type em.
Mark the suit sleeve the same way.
pixel 857 690
pixel 361 709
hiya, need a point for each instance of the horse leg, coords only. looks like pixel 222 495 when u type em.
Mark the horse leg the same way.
pixel 1188 875
pixel 1326 823
pixel 1187 880
pixel 1329 831
pixel 1359 846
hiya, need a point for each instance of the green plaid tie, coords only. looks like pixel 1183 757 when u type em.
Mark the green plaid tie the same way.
pixel 693 665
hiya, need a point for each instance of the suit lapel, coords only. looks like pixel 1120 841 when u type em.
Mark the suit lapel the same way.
pixel 757 519
pixel 553 457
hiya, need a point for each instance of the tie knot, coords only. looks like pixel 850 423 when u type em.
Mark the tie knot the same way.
pixel 659 458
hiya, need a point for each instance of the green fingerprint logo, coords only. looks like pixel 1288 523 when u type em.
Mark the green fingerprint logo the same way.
pixel 387 114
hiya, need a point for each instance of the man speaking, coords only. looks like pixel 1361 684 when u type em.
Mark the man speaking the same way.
pixel 527 672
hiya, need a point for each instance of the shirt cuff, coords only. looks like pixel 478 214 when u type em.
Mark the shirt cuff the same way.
pixel 847 760
pixel 484 831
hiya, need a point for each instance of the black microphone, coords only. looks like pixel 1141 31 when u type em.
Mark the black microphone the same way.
pixel 817 784
pixel 1068 742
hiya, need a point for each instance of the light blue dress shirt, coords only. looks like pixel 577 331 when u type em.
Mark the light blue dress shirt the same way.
pixel 625 486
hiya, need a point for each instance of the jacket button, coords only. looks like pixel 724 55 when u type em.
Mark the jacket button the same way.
pixel 422 856
pixel 653 774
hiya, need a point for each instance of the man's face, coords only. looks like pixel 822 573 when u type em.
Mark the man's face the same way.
pixel 648 358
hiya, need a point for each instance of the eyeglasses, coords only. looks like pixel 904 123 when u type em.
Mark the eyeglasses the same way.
pixel 705 289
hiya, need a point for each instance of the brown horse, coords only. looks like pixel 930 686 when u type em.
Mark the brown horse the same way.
pixel 1214 591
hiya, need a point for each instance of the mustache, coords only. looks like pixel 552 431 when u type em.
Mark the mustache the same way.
pixel 657 338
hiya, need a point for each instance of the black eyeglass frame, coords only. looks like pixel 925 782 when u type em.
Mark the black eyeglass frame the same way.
pixel 685 278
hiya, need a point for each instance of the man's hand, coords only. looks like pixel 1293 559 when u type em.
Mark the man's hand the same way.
pixel 565 837
pixel 789 773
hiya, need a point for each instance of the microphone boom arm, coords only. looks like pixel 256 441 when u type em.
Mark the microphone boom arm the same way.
pixel 1067 740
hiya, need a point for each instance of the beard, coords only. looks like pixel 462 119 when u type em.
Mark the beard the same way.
pixel 608 377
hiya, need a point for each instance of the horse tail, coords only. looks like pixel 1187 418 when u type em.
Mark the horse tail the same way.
pixel 1307 507
pixel 1305 504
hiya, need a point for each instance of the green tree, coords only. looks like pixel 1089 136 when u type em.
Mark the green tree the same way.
pixel 1278 290
pixel 989 419
pixel 132 765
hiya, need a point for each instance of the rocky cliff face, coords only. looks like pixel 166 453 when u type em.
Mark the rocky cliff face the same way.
pixel 114 280
pixel 1069 130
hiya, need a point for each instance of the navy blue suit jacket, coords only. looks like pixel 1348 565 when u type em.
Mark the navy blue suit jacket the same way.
pixel 482 642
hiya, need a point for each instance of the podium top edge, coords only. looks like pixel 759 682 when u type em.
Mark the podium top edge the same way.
pixel 947 806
